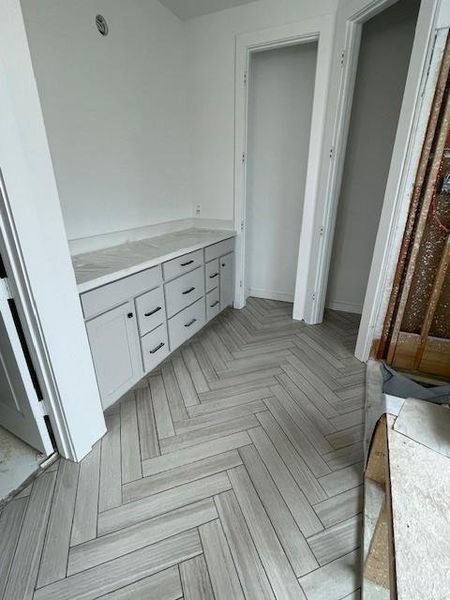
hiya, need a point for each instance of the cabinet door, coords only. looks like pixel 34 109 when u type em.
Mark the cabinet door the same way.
pixel 226 267
pixel 114 342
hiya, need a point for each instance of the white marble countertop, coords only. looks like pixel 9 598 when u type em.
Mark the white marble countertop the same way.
pixel 104 266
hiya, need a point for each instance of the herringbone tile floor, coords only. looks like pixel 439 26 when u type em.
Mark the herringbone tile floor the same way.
pixel 234 471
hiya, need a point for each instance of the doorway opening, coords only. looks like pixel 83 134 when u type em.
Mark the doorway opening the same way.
pixel 384 56
pixel 280 105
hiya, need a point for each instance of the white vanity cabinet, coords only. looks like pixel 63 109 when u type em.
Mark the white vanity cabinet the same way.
pixel 226 270
pixel 114 342
pixel 135 322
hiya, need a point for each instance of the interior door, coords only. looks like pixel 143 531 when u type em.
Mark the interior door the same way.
pixel 20 411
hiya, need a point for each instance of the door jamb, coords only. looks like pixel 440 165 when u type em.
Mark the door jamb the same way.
pixel 23 296
pixel 403 164
pixel 311 30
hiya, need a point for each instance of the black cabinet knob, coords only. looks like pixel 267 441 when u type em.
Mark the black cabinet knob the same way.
pixel 130 315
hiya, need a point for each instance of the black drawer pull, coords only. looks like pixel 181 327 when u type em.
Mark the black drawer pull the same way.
pixel 189 262
pixel 161 345
pixel 189 291
pixel 215 304
pixel 191 323
pixel 212 276
pixel 152 312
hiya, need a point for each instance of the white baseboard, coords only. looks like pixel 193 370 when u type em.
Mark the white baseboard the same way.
pixel 345 307
pixel 271 295
pixel 115 238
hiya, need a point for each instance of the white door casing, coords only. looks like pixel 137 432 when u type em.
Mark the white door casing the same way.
pixel 410 132
pixel 318 30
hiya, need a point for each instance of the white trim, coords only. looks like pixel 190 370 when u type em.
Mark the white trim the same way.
pixel 271 295
pixel 410 132
pixel 297 33
pixel 345 307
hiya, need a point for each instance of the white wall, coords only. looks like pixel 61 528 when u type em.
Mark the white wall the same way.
pixel 114 109
pixel 281 88
pixel 211 47
pixel 382 69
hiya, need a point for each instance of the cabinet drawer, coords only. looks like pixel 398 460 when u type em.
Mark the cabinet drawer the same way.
pixel 155 347
pixel 150 310
pixel 183 264
pixel 212 304
pixel 219 249
pixel 112 294
pixel 184 291
pixel 186 323
pixel 212 274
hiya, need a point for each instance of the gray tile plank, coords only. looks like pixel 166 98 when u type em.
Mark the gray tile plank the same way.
pixel 113 545
pixel 215 400
pixel 279 571
pixel 164 424
pixel 193 438
pixel 180 475
pixel 252 575
pixel 346 437
pixel 298 504
pixel 131 452
pixel 205 363
pixel 110 490
pixel 337 540
pixel 10 525
pixel 219 416
pixel 84 526
pixel 157 504
pixel 198 379
pixel 125 570
pixel 290 536
pixel 24 568
pixel 340 507
pixel 224 578
pixel 165 585
pixel 356 417
pixel 248 378
pixel 314 387
pixel 343 479
pixel 195 579
pixel 148 437
pixel 344 457
pixel 194 453
pixel 317 409
pixel 174 397
pixel 300 471
pixel 56 546
pixel 306 426
pixel 303 446
pixel 185 383
pixel 334 580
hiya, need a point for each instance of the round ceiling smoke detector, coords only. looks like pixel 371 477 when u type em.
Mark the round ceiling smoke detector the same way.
pixel 102 25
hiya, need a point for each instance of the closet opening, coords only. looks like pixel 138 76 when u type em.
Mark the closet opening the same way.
pixel 384 56
pixel 281 86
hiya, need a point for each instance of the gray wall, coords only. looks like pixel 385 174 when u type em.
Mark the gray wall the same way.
pixel 280 108
pixel 382 69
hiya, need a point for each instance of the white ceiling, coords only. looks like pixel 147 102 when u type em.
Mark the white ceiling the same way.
pixel 187 9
